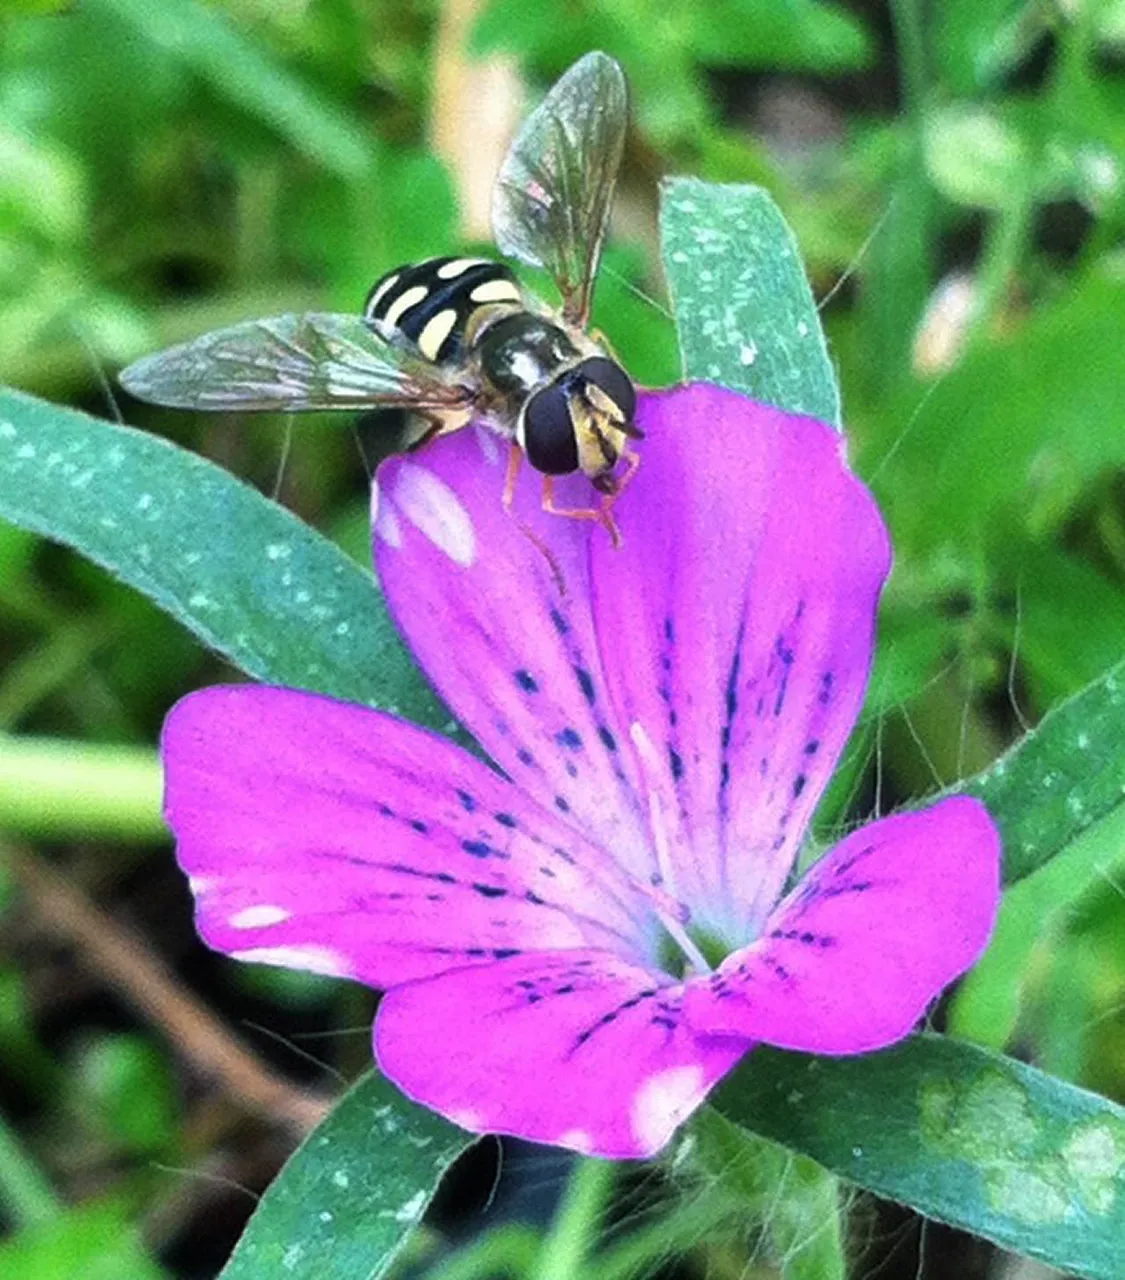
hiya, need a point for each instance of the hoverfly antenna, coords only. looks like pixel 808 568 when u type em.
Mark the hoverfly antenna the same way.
pixel 545 551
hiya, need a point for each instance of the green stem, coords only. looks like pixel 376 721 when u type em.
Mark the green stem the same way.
pixel 910 40
pixel 576 1226
pixel 1003 252
pixel 56 788
pixel 24 1188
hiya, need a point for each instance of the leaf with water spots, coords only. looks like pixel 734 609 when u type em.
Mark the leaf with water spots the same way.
pixel 351 1194
pixel 963 1135
pixel 1059 779
pixel 245 575
pixel 744 310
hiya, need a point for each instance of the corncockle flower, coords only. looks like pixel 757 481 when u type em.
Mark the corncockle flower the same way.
pixel 577 944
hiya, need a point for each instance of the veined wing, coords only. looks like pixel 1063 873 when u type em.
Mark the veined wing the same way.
pixel 317 360
pixel 552 198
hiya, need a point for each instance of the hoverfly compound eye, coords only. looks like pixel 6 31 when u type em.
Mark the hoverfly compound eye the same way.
pixel 609 378
pixel 547 432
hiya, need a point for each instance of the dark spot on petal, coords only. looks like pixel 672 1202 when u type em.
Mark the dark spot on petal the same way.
pixel 799 785
pixel 669 631
pixel 386 810
pixel 526 681
pixel 586 683
pixel 560 623
pixel 564 990
pixel 608 740
pixel 505 819
pixel 524 756
pixel 826 682
pixel 546 871
pixel 812 746
pixel 675 763
pixel 505 953
pixel 661 1020
pixel 419 826
pixel 724 774
pixel 561 804
pixel 467 801
pixel 490 891
pixel 565 854
pixel 478 848
pixel 571 769
pixel 534 899
pixel 569 738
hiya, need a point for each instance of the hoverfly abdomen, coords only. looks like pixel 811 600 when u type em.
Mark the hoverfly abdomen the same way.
pixel 433 303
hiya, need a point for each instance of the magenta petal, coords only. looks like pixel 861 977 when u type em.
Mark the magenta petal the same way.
pixel 736 629
pixel 880 925
pixel 327 836
pixel 505 635
pixel 578 1049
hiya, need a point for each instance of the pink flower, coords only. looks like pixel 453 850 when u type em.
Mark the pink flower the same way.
pixel 577 944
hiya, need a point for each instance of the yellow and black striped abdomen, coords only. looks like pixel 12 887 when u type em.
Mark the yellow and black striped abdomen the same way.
pixel 431 302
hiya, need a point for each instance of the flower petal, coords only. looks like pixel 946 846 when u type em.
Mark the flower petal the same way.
pixel 578 1049
pixel 878 927
pixel 326 836
pixel 502 626
pixel 736 630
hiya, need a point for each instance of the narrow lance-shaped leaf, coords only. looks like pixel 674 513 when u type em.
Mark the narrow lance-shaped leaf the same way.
pixel 1059 779
pixel 245 575
pixel 745 314
pixel 351 1194
pixel 965 1136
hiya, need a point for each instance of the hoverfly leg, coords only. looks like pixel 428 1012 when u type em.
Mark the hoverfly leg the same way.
pixel 515 460
pixel 603 514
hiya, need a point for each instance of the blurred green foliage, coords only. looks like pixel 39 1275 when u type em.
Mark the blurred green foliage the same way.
pixel 955 175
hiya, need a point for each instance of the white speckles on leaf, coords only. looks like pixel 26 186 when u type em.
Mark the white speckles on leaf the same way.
pixel 279 551
pixel 293 1255
pixel 7 430
pixel 340 1179
pixel 411 1211
pixel 26 451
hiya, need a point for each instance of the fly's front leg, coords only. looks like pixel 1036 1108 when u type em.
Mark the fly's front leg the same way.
pixel 515 460
pixel 602 514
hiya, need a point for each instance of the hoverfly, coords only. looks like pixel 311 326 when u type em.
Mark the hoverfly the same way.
pixel 454 340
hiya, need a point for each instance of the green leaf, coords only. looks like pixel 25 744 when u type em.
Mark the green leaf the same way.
pixel 352 1192
pixel 93 1241
pixel 975 157
pixel 744 310
pixel 1060 778
pixel 245 575
pixel 235 67
pixel 1002 444
pixel 966 1136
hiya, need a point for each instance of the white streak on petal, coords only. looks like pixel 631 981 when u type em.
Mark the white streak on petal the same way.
pixel 260 917
pixel 663 1101
pixel 487 442
pixel 200 885
pixel 314 959
pixel 383 519
pixel 576 1140
pixel 436 512
pixel 466 1119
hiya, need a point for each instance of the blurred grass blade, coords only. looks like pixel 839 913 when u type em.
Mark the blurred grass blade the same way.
pixel 247 577
pixel 744 310
pixel 1060 778
pixel 965 1136
pixel 352 1192
pixel 236 68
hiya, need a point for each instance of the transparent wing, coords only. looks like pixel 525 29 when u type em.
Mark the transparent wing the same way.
pixel 294 362
pixel 551 201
